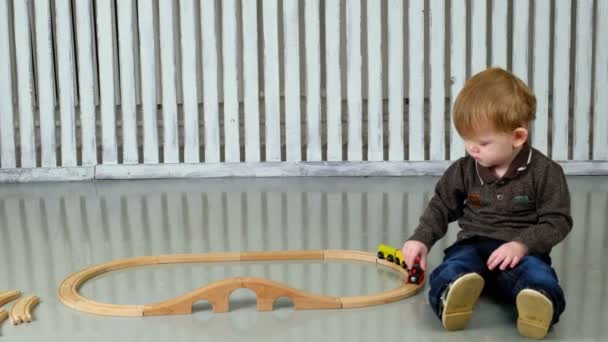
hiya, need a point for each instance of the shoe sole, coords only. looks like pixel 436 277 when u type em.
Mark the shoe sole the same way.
pixel 535 314
pixel 462 295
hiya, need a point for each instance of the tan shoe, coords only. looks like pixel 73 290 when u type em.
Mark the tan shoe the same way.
pixel 535 313
pixel 459 301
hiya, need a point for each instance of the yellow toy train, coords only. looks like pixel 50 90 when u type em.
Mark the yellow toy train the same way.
pixel 392 254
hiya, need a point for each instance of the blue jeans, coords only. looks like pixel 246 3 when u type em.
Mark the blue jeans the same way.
pixel 470 255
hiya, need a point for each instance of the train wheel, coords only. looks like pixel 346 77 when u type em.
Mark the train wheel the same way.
pixel 397 261
pixel 390 258
pixel 380 255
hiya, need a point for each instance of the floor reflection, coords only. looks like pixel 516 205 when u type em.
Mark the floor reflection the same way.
pixel 51 230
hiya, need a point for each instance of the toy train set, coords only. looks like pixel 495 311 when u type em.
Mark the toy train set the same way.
pixel 392 254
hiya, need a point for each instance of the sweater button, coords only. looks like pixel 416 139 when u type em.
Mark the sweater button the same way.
pixel 499 197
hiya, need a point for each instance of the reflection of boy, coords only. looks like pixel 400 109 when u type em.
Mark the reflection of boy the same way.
pixel 512 205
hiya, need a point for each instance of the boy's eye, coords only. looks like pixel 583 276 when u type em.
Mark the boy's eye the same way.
pixel 484 144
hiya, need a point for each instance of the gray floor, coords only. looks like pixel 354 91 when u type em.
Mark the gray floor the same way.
pixel 48 231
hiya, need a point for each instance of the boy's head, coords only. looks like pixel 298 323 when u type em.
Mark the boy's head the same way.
pixel 492 113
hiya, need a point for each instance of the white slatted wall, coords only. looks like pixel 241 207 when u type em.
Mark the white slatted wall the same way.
pixel 162 88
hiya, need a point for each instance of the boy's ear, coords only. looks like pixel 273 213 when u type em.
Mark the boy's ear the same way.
pixel 519 136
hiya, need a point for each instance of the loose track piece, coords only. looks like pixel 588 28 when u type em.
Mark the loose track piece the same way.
pixel 9 296
pixel 3 315
pixel 21 311
pixel 218 293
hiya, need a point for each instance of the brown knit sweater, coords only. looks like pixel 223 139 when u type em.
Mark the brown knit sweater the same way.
pixel 530 203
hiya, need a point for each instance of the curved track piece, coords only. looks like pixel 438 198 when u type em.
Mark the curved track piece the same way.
pixel 218 293
pixel 21 311
pixel 9 296
pixel 3 315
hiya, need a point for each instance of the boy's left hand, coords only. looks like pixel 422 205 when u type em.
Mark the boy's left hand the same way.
pixel 507 255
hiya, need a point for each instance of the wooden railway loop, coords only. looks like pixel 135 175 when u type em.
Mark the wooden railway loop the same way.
pixel 21 311
pixel 218 293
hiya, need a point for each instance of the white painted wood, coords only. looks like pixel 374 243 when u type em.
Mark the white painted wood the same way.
pixel 210 85
pixel 46 82
pixel 7 133
pixel 375 146
pixel 250 81
pixel 333 79
pixel 437 79
pixel 148 63
pixel 86 82
pixel 582 80
pixel 395 80
pixel 499 33
pixel 479 31
pixel 105 51
pixel 189 82
pixel 65 69
pixel 521 34
pixel 458 68
pixel 293 134
pixel 307 169
pixel 353 74
pixel 25 83
pixel 47 174
pixel 542 44
pixel 600 100
pixel 561 81
pixel 416 80
pixel 128 102
pixel 313 81
pixel 169 81
pixel 271 81
pixel 231 95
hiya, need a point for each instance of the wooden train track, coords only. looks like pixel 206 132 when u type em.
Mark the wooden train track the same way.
pixel 21 311
pixel 218 293
pixel 9 296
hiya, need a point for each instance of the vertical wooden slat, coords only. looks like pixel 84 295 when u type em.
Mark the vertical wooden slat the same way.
pixel 333 78
pixel 353 73
pixel 478 36
pixel 148 80
pixel 582 81
pixel 313 82
pixel 499 33
pixel 416 80
pixel 561 80
pixel 7 133
pixel 65 64
pixel 374 69
pixel 250 81
pixel 395 80
pixel 271 81
pixel 521 33
pixel 127 81
pixel 169 82
pixel 542 44
pixel 293 138
pixel 231 95
pixel 25 84
pixel 105 51
pixel 600 100
pixel 437 70
pixel 46 82
pixel 190 86
pixel 458 67
pixel 86 82
pixel 210 95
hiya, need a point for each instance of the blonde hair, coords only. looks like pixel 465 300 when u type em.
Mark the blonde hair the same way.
pixel 496 97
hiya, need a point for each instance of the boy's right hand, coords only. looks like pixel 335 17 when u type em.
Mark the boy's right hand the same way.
pixel 412 249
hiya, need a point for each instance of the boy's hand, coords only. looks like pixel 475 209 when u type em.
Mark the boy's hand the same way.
pixel 507 255
pixel 412 249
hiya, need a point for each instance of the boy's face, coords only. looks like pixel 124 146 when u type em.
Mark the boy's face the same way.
pixel 495 149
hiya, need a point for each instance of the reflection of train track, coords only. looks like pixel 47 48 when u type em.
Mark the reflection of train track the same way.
pixel 218 293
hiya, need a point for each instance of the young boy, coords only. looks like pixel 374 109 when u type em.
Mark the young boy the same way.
pixel 512 205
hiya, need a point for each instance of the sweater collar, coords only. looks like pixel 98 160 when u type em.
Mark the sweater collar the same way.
pixel 519 164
